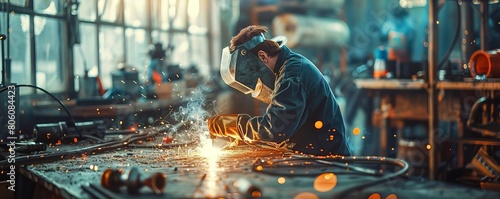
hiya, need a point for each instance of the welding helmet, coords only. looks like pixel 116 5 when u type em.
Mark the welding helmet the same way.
pixel 245 72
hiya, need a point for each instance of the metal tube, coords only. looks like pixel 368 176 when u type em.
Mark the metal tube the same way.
pixel 483 34
pixel 432 56
pixel 4 73
pixel 467 33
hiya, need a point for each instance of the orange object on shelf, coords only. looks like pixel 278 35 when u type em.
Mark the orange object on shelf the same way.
pixel 485 63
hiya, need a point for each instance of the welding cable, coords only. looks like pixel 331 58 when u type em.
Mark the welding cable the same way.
pixel 39 158
pixel 94 138
pixel 53 97
pixel 333 161
pixel 353 159
pixel 164 146
pixel 401 173
pixel 119 132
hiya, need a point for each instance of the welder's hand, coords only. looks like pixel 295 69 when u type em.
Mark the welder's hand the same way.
pixel 224 126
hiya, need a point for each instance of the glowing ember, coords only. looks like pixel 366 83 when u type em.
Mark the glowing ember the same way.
pixel 375 196
pixel 281 180
pixel 318 124
pixel 356 131
pixel 325 182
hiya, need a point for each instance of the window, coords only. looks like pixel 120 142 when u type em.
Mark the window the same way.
pixel 109 10
pixel 49 70
pixel 110 51
pixel 137 48
pixel 36 43
pixel 113 32
pixel 51 7
pixel 86 10
pixel 20 49
pixel 136 13
pixel 85 53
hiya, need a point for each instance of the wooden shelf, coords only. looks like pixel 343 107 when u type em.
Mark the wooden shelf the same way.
pixel 390 84
pixel 406 84
pixel 446 85
pixel 480 141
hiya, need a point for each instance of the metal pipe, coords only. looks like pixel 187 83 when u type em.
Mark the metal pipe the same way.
pixel 4 72
pixel 483 33
pixel 433 58
pixel 467 27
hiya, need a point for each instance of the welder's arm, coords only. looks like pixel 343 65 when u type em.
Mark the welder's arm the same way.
pixel 283 116
pixel 224 126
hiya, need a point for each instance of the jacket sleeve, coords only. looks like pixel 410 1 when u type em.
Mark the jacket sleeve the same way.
pixel 282 117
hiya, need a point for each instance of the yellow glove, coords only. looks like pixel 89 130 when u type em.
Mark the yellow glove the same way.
pixel 224 126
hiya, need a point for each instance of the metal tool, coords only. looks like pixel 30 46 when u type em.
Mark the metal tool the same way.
pixel 62 131
pixel 115 179
pixel 212 137
pixel 247 188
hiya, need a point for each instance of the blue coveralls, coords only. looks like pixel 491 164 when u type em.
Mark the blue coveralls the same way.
pixel 303 113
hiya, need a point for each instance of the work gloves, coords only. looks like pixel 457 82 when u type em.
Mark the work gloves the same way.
pixel 224 126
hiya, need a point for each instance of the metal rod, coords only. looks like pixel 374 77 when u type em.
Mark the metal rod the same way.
pixel 4 72
pixel 433 58
pixel 483 34
pixel 467 27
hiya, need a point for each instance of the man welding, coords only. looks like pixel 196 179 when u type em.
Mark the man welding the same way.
pixel 302 114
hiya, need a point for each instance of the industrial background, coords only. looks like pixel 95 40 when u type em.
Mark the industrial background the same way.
pixel 110 99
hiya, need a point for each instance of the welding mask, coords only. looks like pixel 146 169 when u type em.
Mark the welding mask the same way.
pixel 245 72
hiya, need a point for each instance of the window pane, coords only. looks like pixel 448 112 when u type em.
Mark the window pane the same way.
pixel 137 48
pixel 110 51
pixel 50 73
pixel 16 2
pixel 85 53
pixel 87 10
pixel 179 14
pixel 180 54
pixel 136 13
pixel 109 10
pixel 199 54
pixel 20 50
pixel 166 10
pixel 48 6
pixel 198 17
pixel 159 14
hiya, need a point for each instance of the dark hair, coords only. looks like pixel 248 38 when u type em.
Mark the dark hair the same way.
pixel 272 48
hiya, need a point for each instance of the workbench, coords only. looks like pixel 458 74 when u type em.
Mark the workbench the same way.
pixel 269 172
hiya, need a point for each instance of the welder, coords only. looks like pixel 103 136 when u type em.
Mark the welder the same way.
pixel 302 113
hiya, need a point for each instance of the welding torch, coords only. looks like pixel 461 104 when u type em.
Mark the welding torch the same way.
pixel 212 137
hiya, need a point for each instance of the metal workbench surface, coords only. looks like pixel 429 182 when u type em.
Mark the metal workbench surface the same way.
pixel 196 172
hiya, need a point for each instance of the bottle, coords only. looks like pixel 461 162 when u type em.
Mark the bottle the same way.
pixel 379 66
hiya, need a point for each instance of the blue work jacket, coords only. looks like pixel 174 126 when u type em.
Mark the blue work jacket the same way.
pixel 303 113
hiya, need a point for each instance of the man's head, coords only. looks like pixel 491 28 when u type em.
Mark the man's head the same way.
pixel 267 51
pixel 242 69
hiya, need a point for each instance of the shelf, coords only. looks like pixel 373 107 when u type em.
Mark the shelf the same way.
pixel 480 141
pixel 390 84
pixel 446 85
pixel 407 84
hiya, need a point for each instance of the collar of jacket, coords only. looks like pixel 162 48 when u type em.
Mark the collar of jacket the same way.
pixel 284 53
